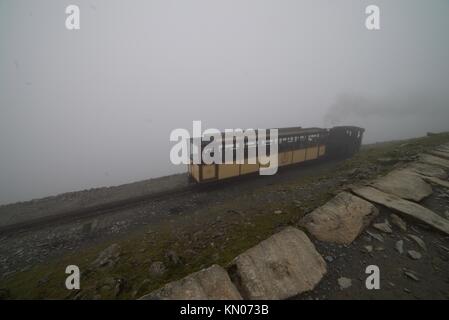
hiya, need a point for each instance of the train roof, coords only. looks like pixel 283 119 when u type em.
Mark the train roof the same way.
pixel 291 131
pixel 347 127
pixel 294 131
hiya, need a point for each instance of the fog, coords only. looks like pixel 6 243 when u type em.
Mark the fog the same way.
pixel 95 107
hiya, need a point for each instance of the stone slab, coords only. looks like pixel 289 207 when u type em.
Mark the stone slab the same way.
pixel 341 219
pixel 282 266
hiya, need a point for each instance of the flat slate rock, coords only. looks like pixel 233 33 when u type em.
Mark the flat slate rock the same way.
pixel 437 181
pixel 440 153
pixel 404 207
pixel 405 184
pixel 437 161
pixel 427 170
pixel 442 149
pixel 282 266
pixel 212 283
pixel 341 219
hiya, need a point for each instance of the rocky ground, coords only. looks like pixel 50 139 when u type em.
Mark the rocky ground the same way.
pixel 403 275
pixel 133 251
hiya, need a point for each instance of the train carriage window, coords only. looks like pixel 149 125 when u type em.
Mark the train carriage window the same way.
pixel 303 141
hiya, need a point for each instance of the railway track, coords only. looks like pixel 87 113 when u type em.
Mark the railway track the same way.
pixel 297 147
pixel 70 216
pixel 96 210
pixel 111 207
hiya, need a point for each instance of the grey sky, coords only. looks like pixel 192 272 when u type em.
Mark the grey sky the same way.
pixel 94 107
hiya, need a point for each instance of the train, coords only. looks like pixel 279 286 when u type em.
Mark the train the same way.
pixel 296 145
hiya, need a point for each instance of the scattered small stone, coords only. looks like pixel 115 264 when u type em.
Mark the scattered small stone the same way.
pixel 398 222
pixel 108 257
pixel 411 275
pixel 384 227
pixel 386 161
pixel 367 238
pixel 418 240
pixel 368 248
pixel 106 285
pixel 400 246
pixel 197 235
pixel 173 257
pixel 376 236
pixel 443 247
pixel 407 290
pixel 142 288
pixel 380 248
pixel 344 283
pixel 329 258
pixel 415 255
pixel 43 281
pixel 277 211
pixel 5 294
pixel 446 214
pixel 157 268
pixel 94 225
pixel 119 286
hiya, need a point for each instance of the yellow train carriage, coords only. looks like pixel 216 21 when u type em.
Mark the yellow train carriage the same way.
pixel 295 145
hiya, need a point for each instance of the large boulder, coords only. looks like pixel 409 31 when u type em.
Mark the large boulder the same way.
pixel 406 208
pixel 405 184
pixel 282 266
pixel 212 283
pixel 341 219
